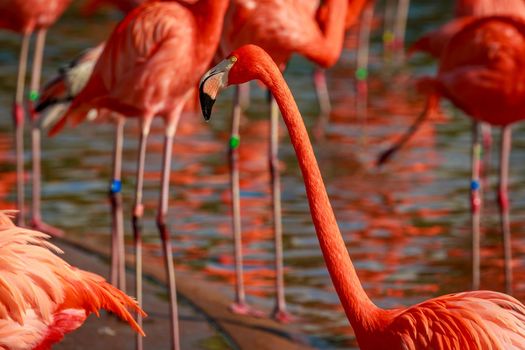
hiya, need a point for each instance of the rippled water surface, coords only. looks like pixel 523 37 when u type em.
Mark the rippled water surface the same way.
pixel 406 226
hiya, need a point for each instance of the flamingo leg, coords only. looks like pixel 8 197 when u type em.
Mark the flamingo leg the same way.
pixel 323 98
pixel 321 89
pixel 475 204
pixel 400 26
pixel 36 212
pixel 362 56
pixel 239 306
pixel 164 232
pixel 244 96
pixel 280 312
pixel 138 211
pixel 118 263
pixel 506 135
pixel 18 120
pixel 486 134
pixel 388 24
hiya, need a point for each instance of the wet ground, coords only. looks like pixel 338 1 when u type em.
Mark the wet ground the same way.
pixel 406 225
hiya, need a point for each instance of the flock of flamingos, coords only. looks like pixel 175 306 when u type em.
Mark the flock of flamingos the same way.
pixel 156 63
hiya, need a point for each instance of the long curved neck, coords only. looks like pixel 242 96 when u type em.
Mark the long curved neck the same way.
pixel 355 8
pixel 210 16
pixel 358 307
pixel 326 50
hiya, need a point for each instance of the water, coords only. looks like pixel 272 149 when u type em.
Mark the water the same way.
pixel 406 225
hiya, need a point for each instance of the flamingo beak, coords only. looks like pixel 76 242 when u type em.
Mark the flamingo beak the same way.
pixel 213 82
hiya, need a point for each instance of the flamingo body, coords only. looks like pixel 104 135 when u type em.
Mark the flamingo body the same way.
pixel 25 16
pixel 468 320
pixel 149 67
pixel 136 75
pixel 482 70
pixel 285 27
pixel 42 298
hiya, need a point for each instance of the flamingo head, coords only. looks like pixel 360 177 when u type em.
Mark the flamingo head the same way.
pixel 241 66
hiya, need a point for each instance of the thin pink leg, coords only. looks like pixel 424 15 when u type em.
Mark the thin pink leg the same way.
pixel 138 212
pixel 244 97
pixel 164 232
pixel 400 26
pixel 388 25
pixel 506 136
pixel 118 262
pixel 361 74
pixel 239 306
pixel 18 120
pixel 280 313
pixel 475 204
pixel 36 213
pixel 323 97
pixel 486 134
pixel 321 89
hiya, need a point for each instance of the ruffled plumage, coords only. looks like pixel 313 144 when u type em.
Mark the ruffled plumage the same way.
pixel 42 297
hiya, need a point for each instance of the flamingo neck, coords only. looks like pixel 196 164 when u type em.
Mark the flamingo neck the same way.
pixel 355 8
pixel 359 309
pixel 209 15
pixel 326 50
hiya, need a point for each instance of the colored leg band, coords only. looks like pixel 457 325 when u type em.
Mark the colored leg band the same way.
pixel 116 186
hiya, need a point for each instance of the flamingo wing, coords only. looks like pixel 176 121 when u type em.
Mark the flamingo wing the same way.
pixel 42 297
pixel 468 321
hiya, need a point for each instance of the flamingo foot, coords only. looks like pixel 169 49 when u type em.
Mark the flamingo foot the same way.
pixel 283 316
pixel 246 310
pixel 41 226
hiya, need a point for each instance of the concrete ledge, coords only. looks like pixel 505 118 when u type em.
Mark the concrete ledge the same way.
pixel 243 332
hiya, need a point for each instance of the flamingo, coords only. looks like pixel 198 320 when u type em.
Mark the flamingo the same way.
pixel 467 320
pixel 282 28
pixel 487 86
pixel 149 67
pixel 26 17
pixel 42 297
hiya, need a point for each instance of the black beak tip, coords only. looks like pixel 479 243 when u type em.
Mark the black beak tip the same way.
pixel 206 105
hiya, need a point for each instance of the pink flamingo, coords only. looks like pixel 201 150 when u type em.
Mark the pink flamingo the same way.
pixel 149 67
pixel 487 87
pixel 282 28
pixel 468 320
pixel 27 17
pixel 42 297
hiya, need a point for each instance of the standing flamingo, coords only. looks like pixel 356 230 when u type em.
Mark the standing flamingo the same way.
pixel 151 63
pixel 27 17
pixel 282 28
pixel 468 320
pixel 42 297
pixel 486 84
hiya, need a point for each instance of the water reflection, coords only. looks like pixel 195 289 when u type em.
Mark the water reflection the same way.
pixel 406 226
